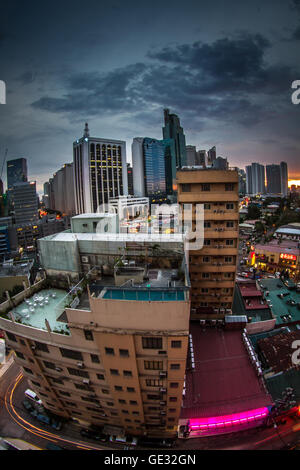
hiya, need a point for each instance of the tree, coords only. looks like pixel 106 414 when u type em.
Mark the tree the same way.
pixel 253 212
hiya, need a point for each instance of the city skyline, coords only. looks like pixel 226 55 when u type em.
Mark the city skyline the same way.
pixel 228 78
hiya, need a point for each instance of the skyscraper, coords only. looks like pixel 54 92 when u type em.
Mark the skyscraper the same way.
pixel 211 156
pixel 273 179
pixel 100 171
pixel 255 176
pixel 24 203
pixel 201 158
pixel 284 178
pixel 150 161
pixel 173 130
pixel 130 179
pixel 16 171
pixel 191 155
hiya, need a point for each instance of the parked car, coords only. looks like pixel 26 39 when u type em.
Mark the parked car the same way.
pixel 128 440
pixel 91 434
pixel 27 405
pixel 153 442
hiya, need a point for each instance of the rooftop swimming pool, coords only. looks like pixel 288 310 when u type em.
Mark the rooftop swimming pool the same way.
pixel 144 295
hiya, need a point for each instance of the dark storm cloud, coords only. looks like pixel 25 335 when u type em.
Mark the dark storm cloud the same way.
pixel 219 80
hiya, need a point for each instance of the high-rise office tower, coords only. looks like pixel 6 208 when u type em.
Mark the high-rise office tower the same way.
pixel 151 162
pixel 191 155
pixel 63 190
pixel 213 268
pixel 284 177
pixel 201 158
pixel 242 181
pixel 255 175
pixel 273 179
pixel 100 171
pixel 24 203
pixel 173 130
pixel 211 156
pixel 16 171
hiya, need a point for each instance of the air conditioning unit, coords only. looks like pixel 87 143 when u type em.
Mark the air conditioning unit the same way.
pixel 163 374
pixel 80 364
pixel 163 390
pixel 162 412
pixel 162 403
pixel 86 381
pixel 33 347
pixel 85 259
pixel 58 369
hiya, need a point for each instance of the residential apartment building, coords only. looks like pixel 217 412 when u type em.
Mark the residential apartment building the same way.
pixel 105 354
pixel 213 268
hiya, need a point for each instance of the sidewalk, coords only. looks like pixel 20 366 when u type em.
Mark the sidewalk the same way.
pixel 9 360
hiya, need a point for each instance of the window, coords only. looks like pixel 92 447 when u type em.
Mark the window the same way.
pixel 128 420
pixel 229 206
pixel 172 410
pixel 127 373
pixel 173 399
pixel 92 400
pixel 153 365
pixel 104 391
pixel 41 346
pixel 125 412
pixel 229 242
pixel 124 352
pixel 29 371
pixel 229 186
pixel 130 389
pixel 175 344
pixel 36 383
pixel 57 381
pixel 204 290
pixel 228 259
pixel 135 413
pixel 175 366
pixel 207 224
pixel 20 355
pixel 152 343
pixel 186 188
pixel 205 275
pixel 133 402
pixel 88 335
pixel 66 394
pixel 206 259
pixel 49 365
pixel 153 397
pixel 207 206
pixel 70 403
pixel 22 341
pixel 205 187
pixel 154 383
pixel 95 358
pixel 114 371
pixel 11 337
pixel 174 385
pixel 118 388
pixel 79 373
pixel 82 387
pixel 122 401
pixel 114 413
pixel 100 376
pixel 110 351
pixel 71 354
pixel 230 224
pixel 109 403
pixel 171 419
pixel 206 242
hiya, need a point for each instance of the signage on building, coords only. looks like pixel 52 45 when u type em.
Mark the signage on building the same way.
pixel 288 257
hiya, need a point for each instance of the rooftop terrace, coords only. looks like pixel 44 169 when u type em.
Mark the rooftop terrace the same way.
pixel 46 304
pixel 283 299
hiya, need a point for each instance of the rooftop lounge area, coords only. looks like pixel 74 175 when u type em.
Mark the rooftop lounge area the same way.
pixel 283 298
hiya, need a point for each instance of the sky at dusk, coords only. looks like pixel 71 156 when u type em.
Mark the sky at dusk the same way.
pixel 225 67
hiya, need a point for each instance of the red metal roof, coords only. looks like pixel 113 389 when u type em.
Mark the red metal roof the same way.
pixel 224 380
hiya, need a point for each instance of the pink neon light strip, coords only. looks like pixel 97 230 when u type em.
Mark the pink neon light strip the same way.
pixel 232 419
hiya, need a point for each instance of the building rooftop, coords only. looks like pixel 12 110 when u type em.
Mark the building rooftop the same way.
pixel 16 268
pixel 223 380
pixel 248 300
pixel 46 304
pixel 68 236
pixel 285 246
pixel 276 350
pixel 283 299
